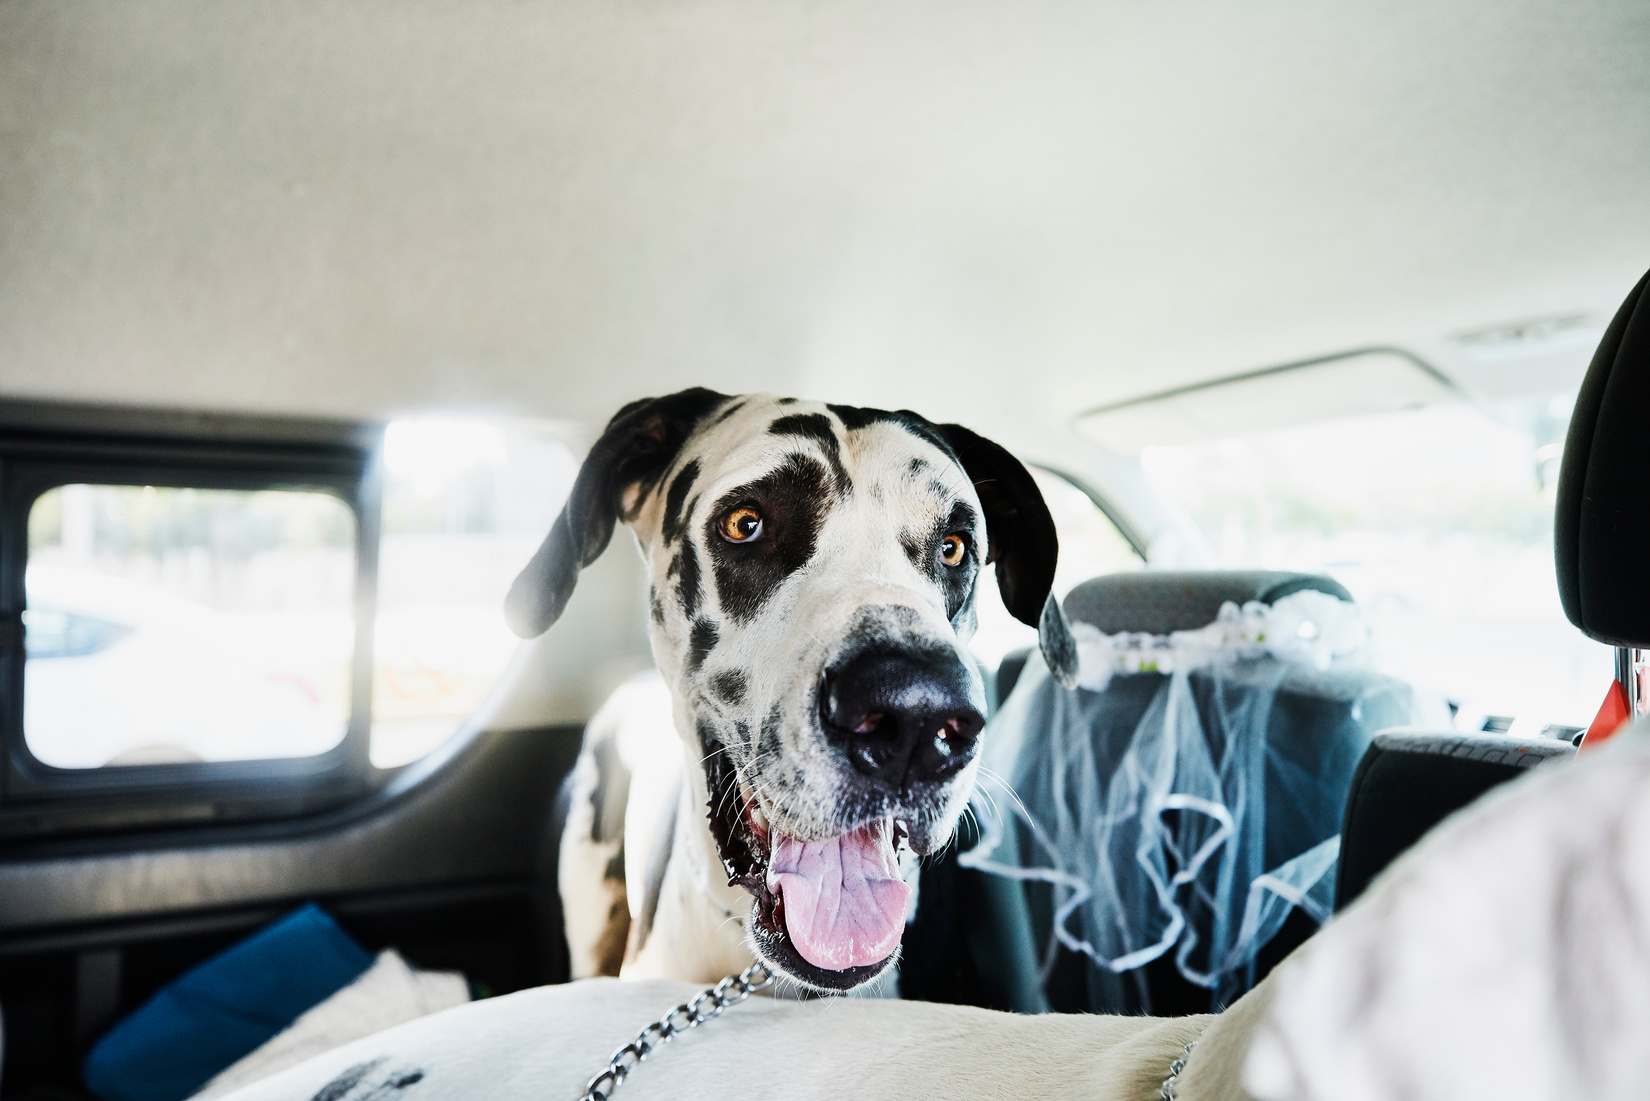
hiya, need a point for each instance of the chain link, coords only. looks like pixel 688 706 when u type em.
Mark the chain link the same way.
pixel 1171 1085
pixel 707 1006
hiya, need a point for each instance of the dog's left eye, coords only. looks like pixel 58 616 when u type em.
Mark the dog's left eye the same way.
pixel 741 525
pixel 952 549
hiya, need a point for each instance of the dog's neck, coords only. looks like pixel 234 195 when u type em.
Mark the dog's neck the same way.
pixel 697 925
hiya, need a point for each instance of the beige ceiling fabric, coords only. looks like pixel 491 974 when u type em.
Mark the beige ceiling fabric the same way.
pixel 999 213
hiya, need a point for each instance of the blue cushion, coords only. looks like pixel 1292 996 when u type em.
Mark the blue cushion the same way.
pixel 213 1015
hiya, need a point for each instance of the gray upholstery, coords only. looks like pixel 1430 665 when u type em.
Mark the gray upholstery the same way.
pixel 1410 780
pixel 1160 601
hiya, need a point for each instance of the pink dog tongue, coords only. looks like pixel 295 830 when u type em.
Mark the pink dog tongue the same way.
pixel 844 898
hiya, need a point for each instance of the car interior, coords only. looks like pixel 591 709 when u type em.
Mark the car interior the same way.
pixel 1308 322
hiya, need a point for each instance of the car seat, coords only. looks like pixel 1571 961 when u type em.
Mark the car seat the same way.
pixel 986 940
pixel 1410 780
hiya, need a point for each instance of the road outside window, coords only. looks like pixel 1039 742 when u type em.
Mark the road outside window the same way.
pixel 167 625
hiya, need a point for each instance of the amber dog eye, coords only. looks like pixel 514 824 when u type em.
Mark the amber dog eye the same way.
pixel 952 550
pixel 741 525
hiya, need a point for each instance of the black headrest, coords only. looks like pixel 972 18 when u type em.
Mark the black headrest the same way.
pixel 1159 601
pixel 1411 780
pixel 1601 528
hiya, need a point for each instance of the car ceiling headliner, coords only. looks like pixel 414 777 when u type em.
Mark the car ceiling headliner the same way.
pixel 1002 212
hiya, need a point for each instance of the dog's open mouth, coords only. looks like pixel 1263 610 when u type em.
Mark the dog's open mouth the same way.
pixel 829 912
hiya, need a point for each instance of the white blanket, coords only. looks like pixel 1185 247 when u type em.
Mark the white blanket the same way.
pixel 544 1044
pixel 387 993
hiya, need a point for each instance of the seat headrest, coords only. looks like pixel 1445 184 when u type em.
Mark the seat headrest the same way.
pixel 1601 526
pixel 1160 601
pixel 1410 780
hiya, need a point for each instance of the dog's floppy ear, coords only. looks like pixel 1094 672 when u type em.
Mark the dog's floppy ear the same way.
pixel 636 449
pixel 1022 542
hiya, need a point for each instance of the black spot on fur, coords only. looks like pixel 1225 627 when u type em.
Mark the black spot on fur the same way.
pixel 729 685
pixel 916 549
pixel 771 745
pixel 855 417
pixel 657 609
pixel 729 411
pixel 609 794
pixel 346 1081
pixel 684 569
pixel 793 498
pixel 786 401
pixel 700 643
pixel 916 467
pixel 405 1080
pixel 675 498
pixel 817 427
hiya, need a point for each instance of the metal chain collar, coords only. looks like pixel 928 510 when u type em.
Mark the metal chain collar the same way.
pixel 684 1018
pixel 1171 1085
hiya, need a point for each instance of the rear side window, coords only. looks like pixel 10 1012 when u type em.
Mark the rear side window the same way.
pixel 179 624
pixel 186 610
pixel 466 503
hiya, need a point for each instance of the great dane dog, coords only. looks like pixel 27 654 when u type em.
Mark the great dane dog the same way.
pixel 813 573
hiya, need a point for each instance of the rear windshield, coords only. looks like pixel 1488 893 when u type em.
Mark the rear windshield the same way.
pixel 1439 521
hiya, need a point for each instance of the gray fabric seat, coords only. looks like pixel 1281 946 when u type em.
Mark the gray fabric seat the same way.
pixel 1316 731
pixel 1410 780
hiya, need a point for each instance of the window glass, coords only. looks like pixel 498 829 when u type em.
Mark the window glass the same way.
pixel 1439 522
pixel 465 505
pixel 1090 545
pixel 167 625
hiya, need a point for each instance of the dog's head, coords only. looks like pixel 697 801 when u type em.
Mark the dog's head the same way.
pixel 813 575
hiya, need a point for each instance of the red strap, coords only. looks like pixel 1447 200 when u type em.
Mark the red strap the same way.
pixel 1611 717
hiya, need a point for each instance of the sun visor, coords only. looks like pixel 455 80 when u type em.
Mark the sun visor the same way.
pixel 1379 380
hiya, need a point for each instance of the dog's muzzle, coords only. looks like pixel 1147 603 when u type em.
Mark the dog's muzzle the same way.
pixel 904 720
pixel 830 911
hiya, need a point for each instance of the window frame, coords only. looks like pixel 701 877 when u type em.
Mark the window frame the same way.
pixel 1107 507
pixel 42 447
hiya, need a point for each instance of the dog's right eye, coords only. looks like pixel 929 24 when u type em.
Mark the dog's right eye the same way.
pixel 741 525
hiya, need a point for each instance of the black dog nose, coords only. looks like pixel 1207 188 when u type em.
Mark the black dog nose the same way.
pixel 902 718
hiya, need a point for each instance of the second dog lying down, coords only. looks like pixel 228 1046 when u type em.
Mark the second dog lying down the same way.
pixel 1504 957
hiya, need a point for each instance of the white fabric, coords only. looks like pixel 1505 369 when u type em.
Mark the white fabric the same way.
pixel 388 993
pixel 1154 844
pixel 1506 956
pixel 544 1045
pixel 1308 628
